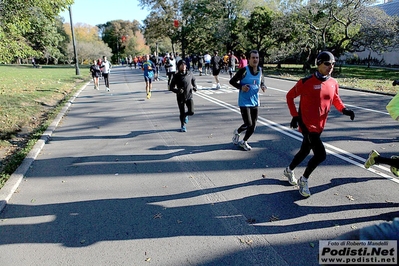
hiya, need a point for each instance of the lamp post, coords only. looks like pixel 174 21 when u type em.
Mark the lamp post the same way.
pixel 74 43
pixel 117 51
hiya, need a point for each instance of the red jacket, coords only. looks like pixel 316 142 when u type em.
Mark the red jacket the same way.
pixel 316 98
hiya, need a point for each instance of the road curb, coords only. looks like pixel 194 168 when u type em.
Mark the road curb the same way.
pixel 15 179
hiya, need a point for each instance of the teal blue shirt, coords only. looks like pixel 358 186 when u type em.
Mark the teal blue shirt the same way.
pixel 148 67
pixel 250 98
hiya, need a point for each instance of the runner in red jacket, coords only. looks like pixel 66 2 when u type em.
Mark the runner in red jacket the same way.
pixel 317 93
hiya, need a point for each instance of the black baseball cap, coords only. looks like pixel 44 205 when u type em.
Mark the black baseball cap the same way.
pixel 180 63
pixel 325 56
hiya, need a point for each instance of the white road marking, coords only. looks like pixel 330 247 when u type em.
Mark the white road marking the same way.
pixel 335 151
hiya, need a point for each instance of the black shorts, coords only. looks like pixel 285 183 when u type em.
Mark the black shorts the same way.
pixel 215 72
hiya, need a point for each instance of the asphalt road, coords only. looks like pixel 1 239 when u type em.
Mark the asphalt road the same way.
pixel 118 184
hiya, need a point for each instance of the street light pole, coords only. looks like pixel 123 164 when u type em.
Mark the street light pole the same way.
pixel 117 51
pixel 183 45
pixel 74 43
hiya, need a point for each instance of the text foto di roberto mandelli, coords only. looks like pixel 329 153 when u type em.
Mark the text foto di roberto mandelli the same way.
pixel 358 251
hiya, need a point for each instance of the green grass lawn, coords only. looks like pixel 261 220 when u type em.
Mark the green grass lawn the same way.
pixel 27 94
pixel 29 99
pixel 361 77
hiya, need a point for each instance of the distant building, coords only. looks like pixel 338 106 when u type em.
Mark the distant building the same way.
pixel 391 7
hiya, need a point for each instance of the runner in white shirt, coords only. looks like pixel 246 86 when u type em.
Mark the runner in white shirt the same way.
pixel 106 68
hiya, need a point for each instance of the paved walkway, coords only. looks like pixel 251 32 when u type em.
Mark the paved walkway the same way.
pixel 118 184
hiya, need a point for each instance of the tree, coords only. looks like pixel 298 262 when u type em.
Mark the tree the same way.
pixel 136 45
pixel 16 22
pixel 292 39
pixel 334 24
pixel 292 29
pixel 259 29
pixel 378 32
pixel 157 30
pixel 220 23
pixel 63 43
pixel 83 31
pixel 88 51
pixel 47 37
pixel 89 45
pixel 159 24
pixel 117 34
pixel 204 25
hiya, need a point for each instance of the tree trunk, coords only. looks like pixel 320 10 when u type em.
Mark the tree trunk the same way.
pixel 369 60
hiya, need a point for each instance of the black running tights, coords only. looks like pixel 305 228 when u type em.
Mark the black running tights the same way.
pixel 311 141
pixel 106 79
pixel 190 106
pixel 249 116
pixel 389 161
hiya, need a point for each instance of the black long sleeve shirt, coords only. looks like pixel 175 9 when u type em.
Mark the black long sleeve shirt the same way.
pixel 183 84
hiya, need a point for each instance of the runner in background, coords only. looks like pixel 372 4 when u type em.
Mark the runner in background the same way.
pixel 183 84
pixel 216 64
pixel 149 72
pixel 248 81
pixel 106 69
pixel 232 63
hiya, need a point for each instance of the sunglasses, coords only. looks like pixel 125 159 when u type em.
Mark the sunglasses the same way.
pixel 328 63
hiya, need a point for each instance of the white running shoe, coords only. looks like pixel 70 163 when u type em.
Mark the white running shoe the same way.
pixel 291 176
pixel 236 137
pixel 303 187
pixel 244 145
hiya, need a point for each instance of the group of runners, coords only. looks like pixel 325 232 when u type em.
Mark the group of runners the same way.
pixel 101 69
pixel 317 92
